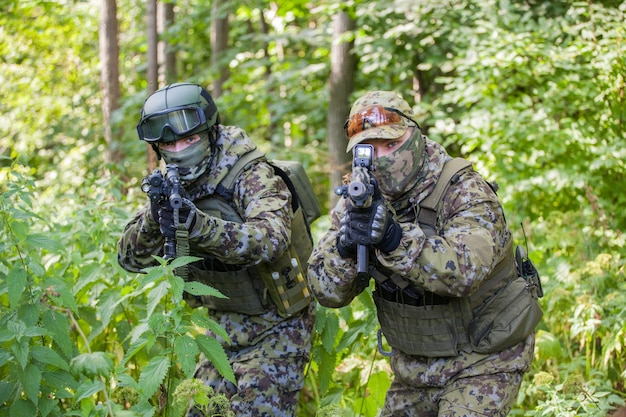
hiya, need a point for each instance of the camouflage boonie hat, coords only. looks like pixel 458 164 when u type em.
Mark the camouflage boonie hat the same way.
pixel 379 99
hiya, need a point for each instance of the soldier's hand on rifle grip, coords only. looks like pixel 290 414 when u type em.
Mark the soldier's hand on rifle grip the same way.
pixel 372 226
pixel 386 230
pixel 166 219
pixel 154 211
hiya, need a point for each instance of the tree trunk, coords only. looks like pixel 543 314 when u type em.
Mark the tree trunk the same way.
pixel 341 85
pixel 219 43
pixel 109 75
pixel 167 58
pixel 153 66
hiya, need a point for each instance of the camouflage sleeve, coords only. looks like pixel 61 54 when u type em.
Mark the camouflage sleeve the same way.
pixel 264 202
pixel 454 263
pixel 469 245
pixel 140 240
pixel 331 277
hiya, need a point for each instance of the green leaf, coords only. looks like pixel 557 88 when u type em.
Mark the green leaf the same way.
pixel 152 274
pixel 59 380
pixel 16 283
pixel 135 347
pixel 48 356
pixel 31 380
pixel 202 320
pixel 57 324
pixel 88 388
pixel 5 390
pixel 21 408
pixel 21 351
pixel 156 295
pixel 153 374
pixel 138 331
pixel 326 368
pixel 177 284
pixel 199 288
pixel 377 386
pixel 186 350
pixel 92 364
pixel 125 380
pixel 5 356
pixel 331 329
pixel 37 240
pixel 183 260
pixel 216 354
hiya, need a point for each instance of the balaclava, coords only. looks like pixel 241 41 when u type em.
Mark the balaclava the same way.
pixel 397 172
pixel 192 161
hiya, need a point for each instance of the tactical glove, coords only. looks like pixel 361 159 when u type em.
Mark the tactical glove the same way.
pixel 372 226
pixel 186 216
pixel 154 211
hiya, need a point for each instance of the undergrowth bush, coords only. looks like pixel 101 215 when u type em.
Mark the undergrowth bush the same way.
pixel 80 336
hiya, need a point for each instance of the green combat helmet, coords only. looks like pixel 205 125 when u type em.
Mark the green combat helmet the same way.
pixel 175 112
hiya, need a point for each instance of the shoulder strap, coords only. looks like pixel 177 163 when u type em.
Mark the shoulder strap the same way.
pixel 226 187
pixel 450 174
pixel 295 198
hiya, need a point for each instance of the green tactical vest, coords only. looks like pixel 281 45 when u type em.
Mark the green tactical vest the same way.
pixel 254 290
pixel 500 314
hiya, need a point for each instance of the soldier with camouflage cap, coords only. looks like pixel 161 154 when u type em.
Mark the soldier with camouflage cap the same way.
pixel 429 285
pixel 268 351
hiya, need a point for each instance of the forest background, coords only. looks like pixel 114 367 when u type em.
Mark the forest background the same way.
pixel 532 92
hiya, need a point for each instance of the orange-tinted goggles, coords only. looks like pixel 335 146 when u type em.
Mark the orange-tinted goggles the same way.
pixel 374 117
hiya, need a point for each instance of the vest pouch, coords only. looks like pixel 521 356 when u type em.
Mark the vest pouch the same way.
pixel 238 285
pixel 285 283
pixel 300 237
pixel 505 319
pixel 430 330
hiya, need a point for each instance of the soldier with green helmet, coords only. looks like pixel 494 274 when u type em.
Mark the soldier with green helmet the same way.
pixel 237 233
pixel 442 288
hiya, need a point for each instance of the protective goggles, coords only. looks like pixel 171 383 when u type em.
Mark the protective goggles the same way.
pixel 374 117
pixel 180 121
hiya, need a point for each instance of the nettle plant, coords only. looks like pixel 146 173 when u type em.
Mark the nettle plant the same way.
pixel 82 337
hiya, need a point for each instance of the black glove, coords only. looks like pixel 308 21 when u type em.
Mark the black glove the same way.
pixel 371 226
pixel 166 219
pixel 154 211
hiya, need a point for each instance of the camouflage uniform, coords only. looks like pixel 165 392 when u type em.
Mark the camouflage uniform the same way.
pixel 268 352
pixel 470 240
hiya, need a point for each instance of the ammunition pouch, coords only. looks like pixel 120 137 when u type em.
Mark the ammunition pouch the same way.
pixel 426 330
pixel 251 290
pixel 242 286
pixel 501 314
pixel 284 279
pixel 505 319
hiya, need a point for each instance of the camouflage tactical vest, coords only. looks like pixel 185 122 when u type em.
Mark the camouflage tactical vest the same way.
pixel 252 290
pixel 500 314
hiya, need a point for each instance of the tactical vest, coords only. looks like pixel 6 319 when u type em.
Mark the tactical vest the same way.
pixel 500 314
pixel 252 290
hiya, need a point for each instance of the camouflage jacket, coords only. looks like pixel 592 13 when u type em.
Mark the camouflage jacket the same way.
pixel 448 264
pixel 260 197
pixel 471 241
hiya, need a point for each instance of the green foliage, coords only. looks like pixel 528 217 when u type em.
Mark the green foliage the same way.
pixel 580 362
pixel 347 376
pixel 531 92
pixel 76 328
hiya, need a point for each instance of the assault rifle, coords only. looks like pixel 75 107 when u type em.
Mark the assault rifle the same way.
pixel 165 190
pixel 360 191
